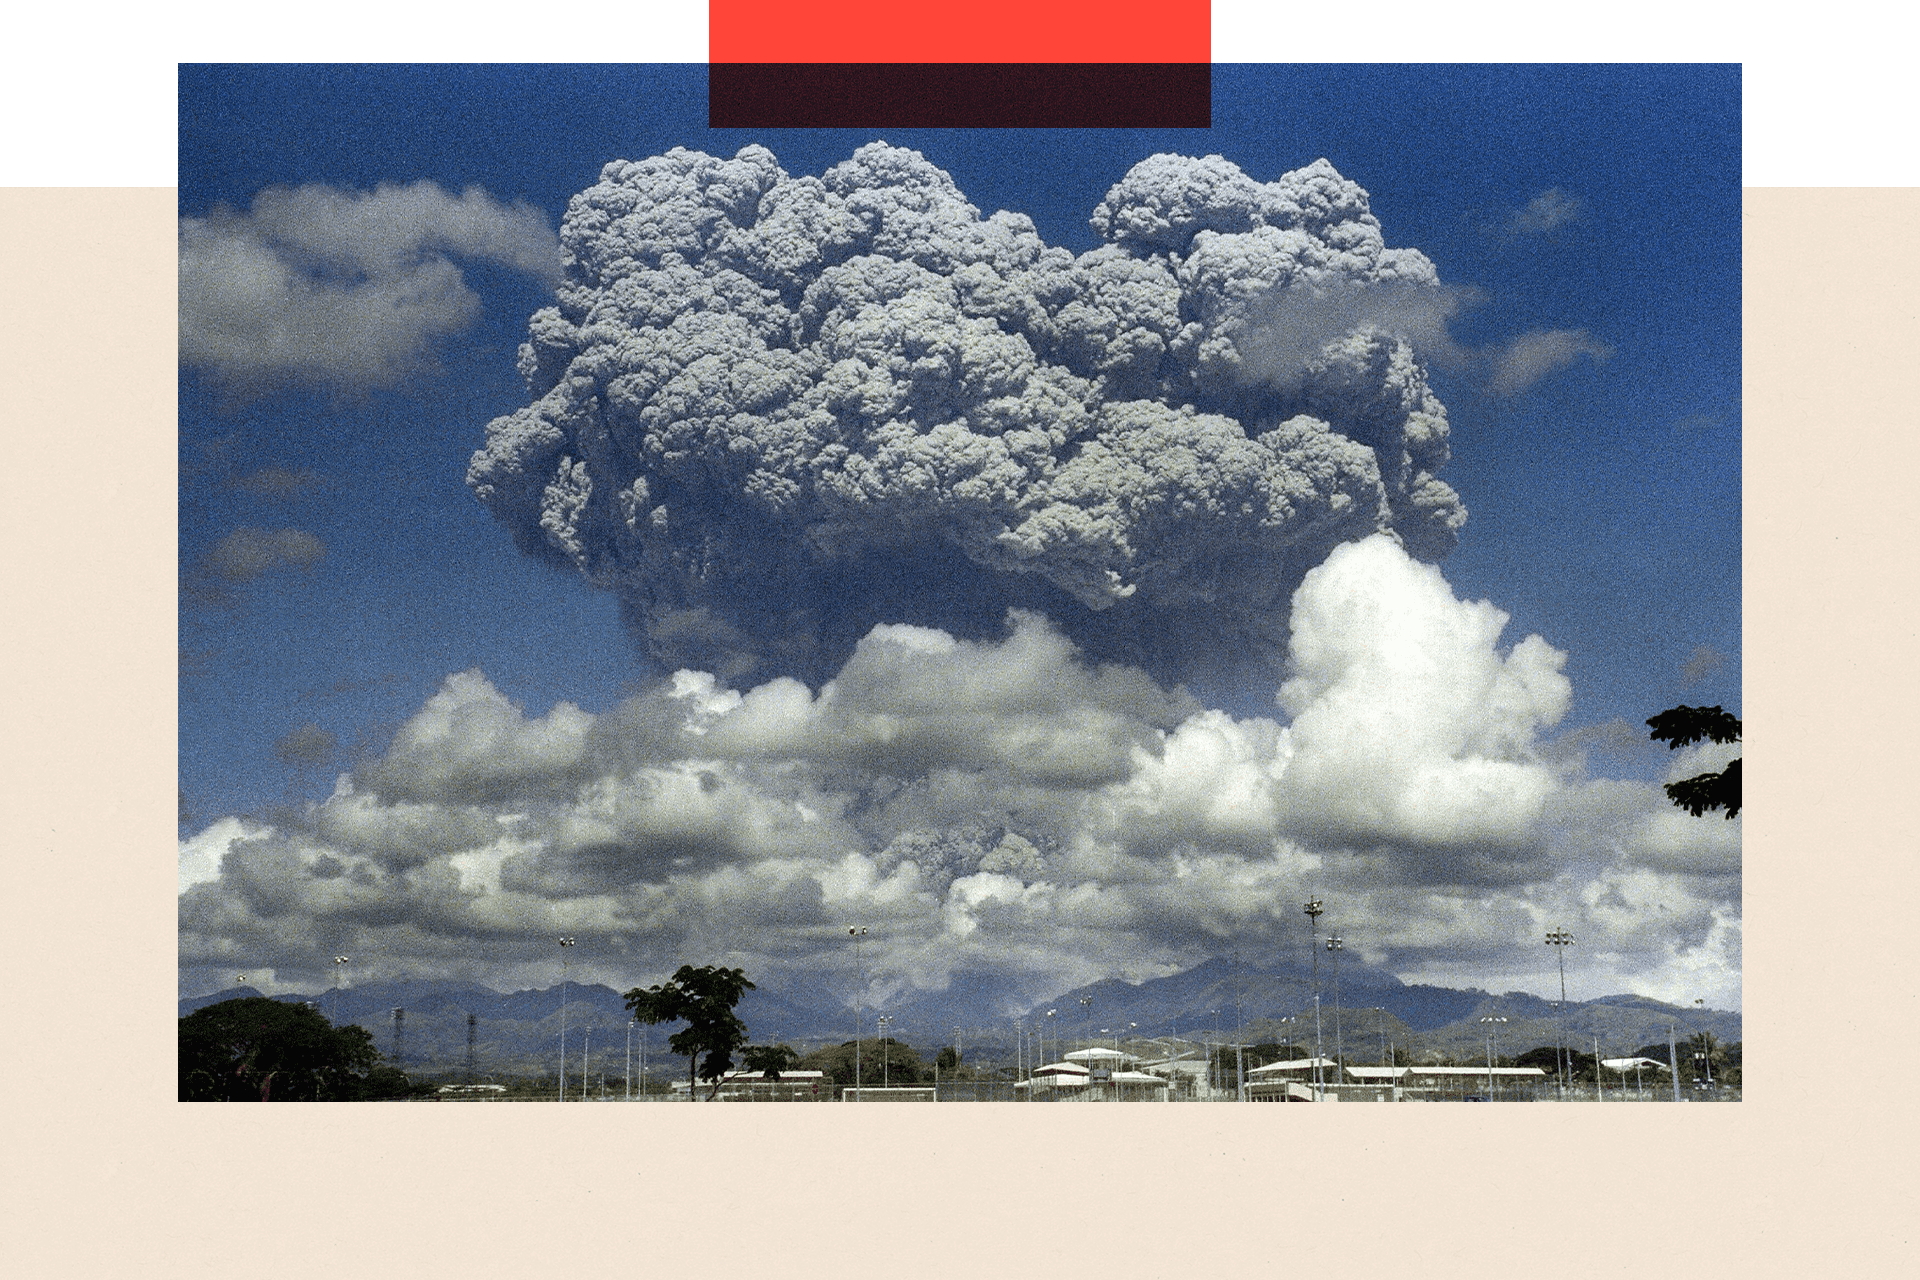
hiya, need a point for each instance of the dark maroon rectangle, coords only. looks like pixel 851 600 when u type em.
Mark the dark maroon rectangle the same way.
pixel 960 95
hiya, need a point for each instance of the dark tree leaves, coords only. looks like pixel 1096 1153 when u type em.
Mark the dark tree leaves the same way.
pixel 1684 726
pixel 769 1060
pixel 258 1050
pixel 703 998
pixel 1706 791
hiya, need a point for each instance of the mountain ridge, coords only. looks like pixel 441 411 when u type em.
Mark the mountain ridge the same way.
pixel 1377 1014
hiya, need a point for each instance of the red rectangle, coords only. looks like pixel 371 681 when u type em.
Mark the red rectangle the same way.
pixel 970 31
pixel 959 95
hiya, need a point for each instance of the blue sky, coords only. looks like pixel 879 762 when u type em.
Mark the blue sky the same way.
pixel 337 569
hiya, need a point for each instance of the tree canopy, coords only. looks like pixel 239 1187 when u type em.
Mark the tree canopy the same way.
pixel 254 1049
pixel 1684 726
pixel 880 1058
pixel 703 998
pixel 769 1060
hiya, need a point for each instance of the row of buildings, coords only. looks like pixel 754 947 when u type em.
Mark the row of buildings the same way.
pixel 1110 1075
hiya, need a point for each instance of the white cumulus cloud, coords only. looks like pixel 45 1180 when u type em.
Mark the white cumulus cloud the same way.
pixel 345 289
pixel 1000 805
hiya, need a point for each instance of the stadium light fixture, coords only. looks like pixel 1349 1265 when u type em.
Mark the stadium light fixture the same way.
pixel 1314 909
pixel 1560 940
pixel 859 936
pixel 1487 1023
pixel 565 951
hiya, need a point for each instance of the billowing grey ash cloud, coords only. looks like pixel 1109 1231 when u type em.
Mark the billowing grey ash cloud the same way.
pixel 771 412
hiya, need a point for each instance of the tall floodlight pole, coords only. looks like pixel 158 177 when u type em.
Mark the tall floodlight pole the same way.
pixel 859 936
pixel 1043 1038
pixel 1214 1069
pixel 1086 1003
pixel 880 1025
pixel 1488 1023
pixel 1314 911
pixel 628 1062
pixel 1336 946
pixel 337 962
pixel 1599 1087
pixel 1706 1048
pixel 1673 1062
pixel 586 1048
pixel 1019 1052
pixel 565 951
pixel 1239 1019
pixel 1560 940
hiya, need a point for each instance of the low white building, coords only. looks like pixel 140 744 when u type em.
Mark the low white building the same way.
pixel 1292 1081
pixel 1063 1081
pixel 1057 1076
pixel 1100 1056
pixel 754 1086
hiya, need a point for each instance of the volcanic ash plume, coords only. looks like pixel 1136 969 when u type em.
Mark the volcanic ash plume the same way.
pixel 772 412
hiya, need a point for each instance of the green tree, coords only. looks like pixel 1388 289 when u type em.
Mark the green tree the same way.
pixel 1684 726
pixel 1703 1057
pixel 947 1060
pixel 769 1060
pixel 896 1063
pixel 258 1050
pixel 703 998
pixel 879 1060
pixel 1546 1057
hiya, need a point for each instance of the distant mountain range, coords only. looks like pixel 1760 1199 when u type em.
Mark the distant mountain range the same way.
pixel 1376 1016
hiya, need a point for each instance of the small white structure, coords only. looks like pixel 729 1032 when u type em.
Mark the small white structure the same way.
pixel 1057 1076
pixel 1136 1086
pixel 1294 1068
pixel 754 1086
pixel 1291 1080
pixel 1069 1081
pixel 1100 1056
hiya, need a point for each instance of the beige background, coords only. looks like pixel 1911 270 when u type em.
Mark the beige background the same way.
pixel 107 1176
